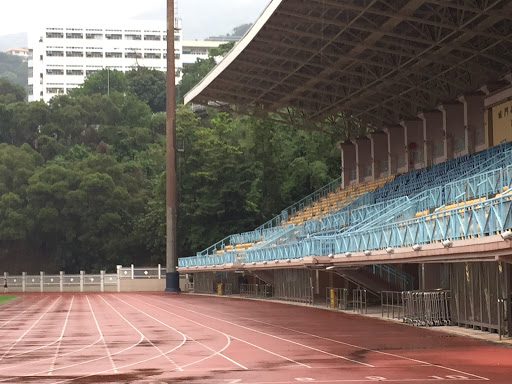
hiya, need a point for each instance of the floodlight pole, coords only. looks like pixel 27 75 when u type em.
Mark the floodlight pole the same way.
pixel 172 283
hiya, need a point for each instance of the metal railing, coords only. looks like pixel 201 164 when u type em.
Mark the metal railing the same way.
pixel 484 218
pixel 260 291
pixel 299 205
pixel 336 298
pixel 359 303
pixel 427 308
pixel 395 276
pixel 392 304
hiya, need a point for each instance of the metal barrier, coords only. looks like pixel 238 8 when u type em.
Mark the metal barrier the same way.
pixel 427 308
pixel 359 301
pixel 225 289
pixel 336 298
pixel 392 304
pixel 261 291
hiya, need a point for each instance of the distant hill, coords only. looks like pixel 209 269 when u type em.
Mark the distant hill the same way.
pixel 14 69
pixel 15 40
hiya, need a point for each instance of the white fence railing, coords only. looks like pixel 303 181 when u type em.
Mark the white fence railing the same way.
pixel 133 272
pixel 81 282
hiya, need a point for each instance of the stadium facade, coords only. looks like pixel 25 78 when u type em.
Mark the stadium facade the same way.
pixel 60 58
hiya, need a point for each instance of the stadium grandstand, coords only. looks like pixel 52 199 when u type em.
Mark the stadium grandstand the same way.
pixel 423 91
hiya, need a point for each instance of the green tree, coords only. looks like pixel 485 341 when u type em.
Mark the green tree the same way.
pixel 193 74
pixel 14 69
pixel 10 92
pixel 149 85
pixel 102 82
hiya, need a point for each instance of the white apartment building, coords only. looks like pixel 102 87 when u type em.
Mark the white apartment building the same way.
pixel 60 58
pixel 198 49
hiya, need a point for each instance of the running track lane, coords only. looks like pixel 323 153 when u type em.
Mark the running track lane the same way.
pixel 161 338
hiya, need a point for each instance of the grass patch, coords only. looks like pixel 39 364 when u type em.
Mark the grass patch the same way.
pixel 4 298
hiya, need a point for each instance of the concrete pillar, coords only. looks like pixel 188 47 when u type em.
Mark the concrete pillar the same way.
pixel 414 143
pixel 119 278
pixel 396 150
pixel 433 149
pixel 23 281
pixel 61 283
pixel 82 281
pixel 379 151
pixel 159 271
pixel 474 126
pixel 348 164
pixel 363 159
pixel 453 127
pixel 102 281
pixel 41 281
pixel 133 272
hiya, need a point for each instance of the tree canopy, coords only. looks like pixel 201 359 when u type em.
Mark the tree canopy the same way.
pixel 82 178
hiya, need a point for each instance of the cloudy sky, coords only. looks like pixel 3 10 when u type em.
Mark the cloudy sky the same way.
pixel 201 18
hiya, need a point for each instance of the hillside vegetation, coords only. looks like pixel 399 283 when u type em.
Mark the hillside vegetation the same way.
pixel 82 178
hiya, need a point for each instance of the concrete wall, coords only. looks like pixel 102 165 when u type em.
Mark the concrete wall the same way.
pixel 129 285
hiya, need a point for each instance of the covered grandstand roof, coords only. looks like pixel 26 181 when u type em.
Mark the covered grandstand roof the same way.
pixel 371 61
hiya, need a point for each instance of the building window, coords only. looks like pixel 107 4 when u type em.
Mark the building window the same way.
pixel 152 37
pixel 31 72
pixel 30 90
pixel 54 35
pixel 177 73
pixel 177 37
pixel 152 55
pixel 54 90
pixel 113 36
pixel 177 56
pixel 94 54
pixel 90 71
pixel 74 54
pixel 133 37
pixel 113 55
pixel 74 72
pixel 55 53
pixel 133 55
pixel 74 35
pixel 94 36
pixel 54 71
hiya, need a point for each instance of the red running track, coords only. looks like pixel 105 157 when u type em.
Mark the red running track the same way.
pixel 162 338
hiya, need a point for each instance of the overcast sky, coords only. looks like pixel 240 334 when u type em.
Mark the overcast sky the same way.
pixel 201 18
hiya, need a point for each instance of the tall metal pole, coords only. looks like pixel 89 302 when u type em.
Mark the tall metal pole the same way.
pixel 172 276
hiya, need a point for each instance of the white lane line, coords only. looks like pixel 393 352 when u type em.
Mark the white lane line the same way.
pixel 119 367
pixel 231 336
pixel 21 313
pixel 59 340
pixel 219 353
pixel 334 341
pixel 41 346
pixel 28 330
pixel 147 339
pixel 84 362
pixel 274 336
pixel 102 337
pixel 272 353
